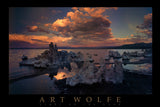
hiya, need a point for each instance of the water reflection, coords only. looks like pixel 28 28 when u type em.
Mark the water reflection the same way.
pixel 44 81
pixel 15 57
pixel 139 68
pixel 52 73
pixel 64 73
pixel 61 72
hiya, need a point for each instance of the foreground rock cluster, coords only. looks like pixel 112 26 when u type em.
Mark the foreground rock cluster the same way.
pixel 86 72
pixel 89 73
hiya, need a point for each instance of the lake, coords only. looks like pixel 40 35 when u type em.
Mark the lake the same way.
pixel 42 83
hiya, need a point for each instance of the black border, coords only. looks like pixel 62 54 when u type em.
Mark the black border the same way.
pixel 127 100
pixel 80 3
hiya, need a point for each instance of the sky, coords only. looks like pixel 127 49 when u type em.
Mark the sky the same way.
pixel 36 27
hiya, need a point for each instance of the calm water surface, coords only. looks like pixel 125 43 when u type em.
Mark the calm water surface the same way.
pixel 42 84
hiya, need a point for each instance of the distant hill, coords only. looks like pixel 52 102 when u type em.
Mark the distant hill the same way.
pixel 135 46
pixel 128 46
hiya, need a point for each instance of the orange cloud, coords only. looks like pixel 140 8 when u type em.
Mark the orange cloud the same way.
pixel 76 16
pixel 27 38
pixel 34 39
pixel 33 28
pixel 132 35
pixel 146 26
pixel 47 24
pixel 41 41
pixel 61 22
pixel 74 8
pixel 86 21
pixel 148 17
pixel 96 12
pixel 37 29
pixel 146 31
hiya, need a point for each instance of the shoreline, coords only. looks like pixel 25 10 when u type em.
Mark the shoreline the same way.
pixel 43 77
pixel 44 71
pixel 133 84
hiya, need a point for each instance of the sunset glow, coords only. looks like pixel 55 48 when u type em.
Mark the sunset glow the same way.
pixel 79 26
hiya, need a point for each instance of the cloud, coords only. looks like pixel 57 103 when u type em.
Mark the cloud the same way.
pixel 147 32
pixel 41 41
pixel 44 18
pixel 37 40
pixel 82 26
pixel 128 40
pixel 139 39
pixel 32 39
pixel 56 11
pixel 97 11
pixel 84 23
pixel 61 23
pixel 20 44
pixel 147 22
pixel 32 28
pixel 132 35
pixel 37 29
pixel 146 26
pixel 47 24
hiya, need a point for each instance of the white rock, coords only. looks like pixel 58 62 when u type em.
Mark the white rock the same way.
pixel 85 75
pixel 74 67
pixel 114 74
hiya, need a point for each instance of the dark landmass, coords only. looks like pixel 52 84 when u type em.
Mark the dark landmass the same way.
pixel 128 46
pixel 135 46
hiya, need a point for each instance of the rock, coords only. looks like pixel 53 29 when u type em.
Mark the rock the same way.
pixel 63 55
pixel 107 58
pixel 80 56
pixel 74 67
pixel 72 54
pixel 109 75
pixel 47 58
pixel 53 52
pixel 119 71
pixel 90 58
pixel 42 63
pixel 89 73
pixel 125 56
pixel 72 81
pixel 24 57
pixel 111 53
pixel 102 68
pixel 114 74
pixel 79 59
pixel 116 55
pixel 45 54
pixel 86 75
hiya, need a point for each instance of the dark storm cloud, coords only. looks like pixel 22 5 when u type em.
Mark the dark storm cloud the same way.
pixel 94 27
pixel 20 44
pixel 95 24
pixel 37 40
